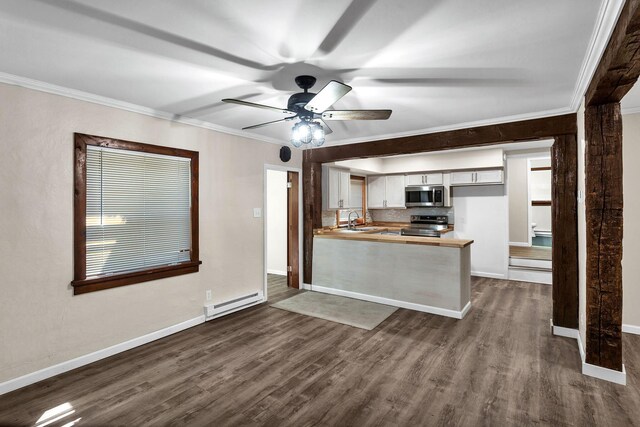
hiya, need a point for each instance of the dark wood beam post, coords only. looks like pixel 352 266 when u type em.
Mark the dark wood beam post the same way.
pixel 604 203
pixel 616 73
pixel 312 208
pixel 564 211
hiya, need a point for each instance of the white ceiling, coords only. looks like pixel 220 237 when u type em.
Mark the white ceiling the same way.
pixel 437 64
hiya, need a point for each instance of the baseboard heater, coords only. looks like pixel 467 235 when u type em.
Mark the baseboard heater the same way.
pixel 212 311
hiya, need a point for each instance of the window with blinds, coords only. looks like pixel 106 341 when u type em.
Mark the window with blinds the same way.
pixel 138 211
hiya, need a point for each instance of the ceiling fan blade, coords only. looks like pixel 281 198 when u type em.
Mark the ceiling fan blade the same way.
pixel 344 25
pixel 327 96
pixel 327 129
pixel 252 104
pixel 268 123
pixel 356 115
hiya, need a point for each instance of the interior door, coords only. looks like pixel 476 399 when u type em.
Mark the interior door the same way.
pixel 293 241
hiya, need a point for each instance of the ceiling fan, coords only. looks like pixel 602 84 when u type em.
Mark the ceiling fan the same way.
pixel 313 111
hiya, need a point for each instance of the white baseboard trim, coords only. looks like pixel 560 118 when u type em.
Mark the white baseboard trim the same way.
pixel 564 332
pixel 534 276
pixel 587 368
pixel 402 304
pixel 488 275
pixel 306 286
pixel 631 329
pixel 278 272
pixel 523 244
pixel 60 368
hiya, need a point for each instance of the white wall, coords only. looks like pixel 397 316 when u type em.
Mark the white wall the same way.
pixel 481 215
pixel 461 159
pixel 467 159
pixel 41 322
pixel 518 199
pixel 631 239
pixel 276 222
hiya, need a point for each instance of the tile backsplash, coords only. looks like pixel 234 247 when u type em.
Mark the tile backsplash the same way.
pixel 404 215
pixel 393 215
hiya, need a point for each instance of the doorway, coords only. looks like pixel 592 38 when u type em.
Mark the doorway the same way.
pixel 530 216
pixel 282 224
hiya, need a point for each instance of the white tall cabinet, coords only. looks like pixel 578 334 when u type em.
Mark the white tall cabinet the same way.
pixel 385 191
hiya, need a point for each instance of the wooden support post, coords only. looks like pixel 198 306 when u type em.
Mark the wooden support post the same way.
pixel 604 205
pixel 312 205
pixel 564 210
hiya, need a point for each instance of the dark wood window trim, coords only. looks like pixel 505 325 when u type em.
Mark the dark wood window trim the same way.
pixel 541 203
pixel 541 168
pixel 80 283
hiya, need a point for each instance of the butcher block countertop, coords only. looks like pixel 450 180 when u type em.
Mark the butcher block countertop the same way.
pixel 372 235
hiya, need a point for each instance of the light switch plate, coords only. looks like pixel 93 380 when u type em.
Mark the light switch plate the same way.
pixel 257 212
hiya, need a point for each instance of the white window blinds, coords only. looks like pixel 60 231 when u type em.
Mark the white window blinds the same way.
pixel 138 210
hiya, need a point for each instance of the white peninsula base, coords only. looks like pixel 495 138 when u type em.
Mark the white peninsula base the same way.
pixel 430 278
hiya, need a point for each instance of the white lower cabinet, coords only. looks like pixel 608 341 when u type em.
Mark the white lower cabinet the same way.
pixel 385 191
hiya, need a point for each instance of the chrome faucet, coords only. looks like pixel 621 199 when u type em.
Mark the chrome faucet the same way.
pixel 349 223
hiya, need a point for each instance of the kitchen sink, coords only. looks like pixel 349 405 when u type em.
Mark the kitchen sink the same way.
pixel 358 230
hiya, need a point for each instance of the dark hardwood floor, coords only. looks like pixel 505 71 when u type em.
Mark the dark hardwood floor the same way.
pixel 262 366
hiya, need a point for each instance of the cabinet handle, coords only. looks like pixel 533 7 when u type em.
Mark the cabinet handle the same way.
pixel 423 179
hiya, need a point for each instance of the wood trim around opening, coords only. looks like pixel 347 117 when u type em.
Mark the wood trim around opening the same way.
pixel 541 168
pixel 80 283
pixel 564 208
pixel 541 203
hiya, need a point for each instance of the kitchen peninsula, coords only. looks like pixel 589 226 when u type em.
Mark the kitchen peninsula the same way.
pixel 419 273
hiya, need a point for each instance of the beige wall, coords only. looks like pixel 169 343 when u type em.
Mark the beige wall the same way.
pixel 631 239
pixel 41 323
pixel 518 199
pixel 276 222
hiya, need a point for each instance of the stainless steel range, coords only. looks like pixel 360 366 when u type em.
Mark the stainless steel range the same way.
pixel 426 225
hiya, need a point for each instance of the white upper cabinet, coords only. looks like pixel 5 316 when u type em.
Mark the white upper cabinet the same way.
pixel 489 177
pixel 385 191
pixel 336 183
pixel 483 177
pixel 424 179
pixel 394 189
pixel 376 191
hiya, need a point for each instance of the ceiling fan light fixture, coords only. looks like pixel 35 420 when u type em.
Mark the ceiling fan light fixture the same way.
pixel 307 132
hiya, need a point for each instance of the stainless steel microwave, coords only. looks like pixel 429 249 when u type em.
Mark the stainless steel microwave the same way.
pixel 425 195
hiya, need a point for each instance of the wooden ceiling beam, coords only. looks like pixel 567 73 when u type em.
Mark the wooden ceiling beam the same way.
pixel 619 67
pixel 526 130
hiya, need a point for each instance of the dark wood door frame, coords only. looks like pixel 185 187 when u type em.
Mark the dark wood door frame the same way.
pixel 615 75
pixel 294 220
pixel 562 129
pixel 293 230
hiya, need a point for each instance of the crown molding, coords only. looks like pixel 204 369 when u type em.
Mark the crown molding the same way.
pixel 41 86
pixel 630 110
pixel 605 23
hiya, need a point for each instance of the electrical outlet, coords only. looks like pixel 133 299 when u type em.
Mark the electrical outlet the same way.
pixel 257 212
pixel 208 293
